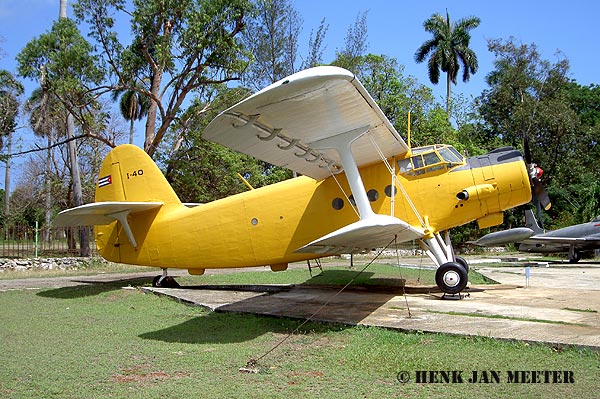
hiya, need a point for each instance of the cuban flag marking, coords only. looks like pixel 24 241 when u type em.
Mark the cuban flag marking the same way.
pixel 104 181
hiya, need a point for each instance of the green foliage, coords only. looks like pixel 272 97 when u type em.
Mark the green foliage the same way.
pixel 272 38
pixel 61 59
pixel 10 90
pixel 355 46
pixel 178 47
pixel 202 171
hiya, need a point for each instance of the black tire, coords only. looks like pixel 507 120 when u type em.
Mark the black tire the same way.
pixel 451 278
pixel 165 282
pixel 463 262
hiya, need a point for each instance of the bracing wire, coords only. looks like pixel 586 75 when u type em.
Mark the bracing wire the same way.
pixel 254 362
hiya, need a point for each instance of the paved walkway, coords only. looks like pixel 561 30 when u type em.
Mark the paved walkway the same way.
pixel 561 306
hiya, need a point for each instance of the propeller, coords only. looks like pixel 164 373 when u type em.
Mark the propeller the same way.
pixel 540 196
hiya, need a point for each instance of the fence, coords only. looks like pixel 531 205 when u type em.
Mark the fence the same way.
pixel 27 241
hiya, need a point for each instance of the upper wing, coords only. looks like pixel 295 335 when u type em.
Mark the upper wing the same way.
pixel 282 123
pixel 366 234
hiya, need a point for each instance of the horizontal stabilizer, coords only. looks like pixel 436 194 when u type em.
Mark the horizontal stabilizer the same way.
pixel 374 232
pixel 101 213
pixel 504 237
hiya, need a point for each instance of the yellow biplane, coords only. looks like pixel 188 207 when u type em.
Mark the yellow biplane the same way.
pixel 361 187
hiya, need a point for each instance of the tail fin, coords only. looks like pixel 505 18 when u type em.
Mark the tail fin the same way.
pixel 129 174
pixel 531 222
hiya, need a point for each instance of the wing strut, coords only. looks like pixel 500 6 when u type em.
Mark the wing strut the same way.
pixel 342 144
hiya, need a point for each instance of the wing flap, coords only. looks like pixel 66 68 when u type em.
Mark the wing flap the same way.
pixel 374 232
pixel 280 123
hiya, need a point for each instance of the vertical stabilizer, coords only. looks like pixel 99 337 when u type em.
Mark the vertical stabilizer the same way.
pixel 532 223
pixel 129 174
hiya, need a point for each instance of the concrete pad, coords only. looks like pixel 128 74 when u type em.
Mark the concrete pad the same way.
pixel 560 307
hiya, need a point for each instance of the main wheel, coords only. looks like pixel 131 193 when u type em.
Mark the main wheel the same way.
pixel 575 258
pixel 451 277
pixel 463 262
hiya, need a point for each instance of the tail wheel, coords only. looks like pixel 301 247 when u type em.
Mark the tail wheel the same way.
pixel 451 278
pixel 165 282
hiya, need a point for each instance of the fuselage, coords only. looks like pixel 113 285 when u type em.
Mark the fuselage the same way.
pixel 267 225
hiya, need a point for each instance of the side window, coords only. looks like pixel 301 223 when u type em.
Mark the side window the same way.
pixel 417 161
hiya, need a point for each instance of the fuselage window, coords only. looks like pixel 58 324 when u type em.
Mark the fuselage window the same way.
pixel 373 195
pixel 337 204
pixel 390 191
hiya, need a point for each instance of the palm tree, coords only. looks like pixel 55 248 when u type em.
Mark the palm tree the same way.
pixel 448 47
pixel 133 105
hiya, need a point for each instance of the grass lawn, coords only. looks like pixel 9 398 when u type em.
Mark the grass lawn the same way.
pixel 103 341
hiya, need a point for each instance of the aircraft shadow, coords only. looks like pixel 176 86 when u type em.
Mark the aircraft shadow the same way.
pixel 222 328
pixel 91 288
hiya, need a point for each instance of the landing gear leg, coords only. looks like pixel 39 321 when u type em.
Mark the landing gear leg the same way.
pixel 452 273
pixel 574 256
pixel 165 281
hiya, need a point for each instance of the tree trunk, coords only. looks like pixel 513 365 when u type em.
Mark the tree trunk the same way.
pixel 48 189
pixel 131 127
pixel 448 84
pixel 63 9
pixel 84 242
pixel 152 113
pixel 7 177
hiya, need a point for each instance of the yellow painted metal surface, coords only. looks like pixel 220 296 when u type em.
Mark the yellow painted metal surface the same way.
pixel 266 225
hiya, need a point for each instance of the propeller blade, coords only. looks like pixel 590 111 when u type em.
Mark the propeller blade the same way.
pixel 526 149
pixel 540 194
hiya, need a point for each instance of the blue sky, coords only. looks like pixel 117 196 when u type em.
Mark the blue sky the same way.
pixel 395 28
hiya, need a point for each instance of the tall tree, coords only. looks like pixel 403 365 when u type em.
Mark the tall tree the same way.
pixel 46 118
pixel 448 49
pixel 75 172
pixel 61 60
pixel 395 93
pixel 10 90
pixel 180 47
pixel 355 45
pixel 271 36
pixel 316 46
pixel 529 95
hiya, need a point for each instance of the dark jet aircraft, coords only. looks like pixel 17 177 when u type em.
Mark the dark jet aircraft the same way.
pixel 574 240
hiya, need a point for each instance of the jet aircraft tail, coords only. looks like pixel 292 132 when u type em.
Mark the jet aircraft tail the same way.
pixel 532 223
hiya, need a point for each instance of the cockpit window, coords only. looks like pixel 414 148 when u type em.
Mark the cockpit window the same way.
pixel 429 159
